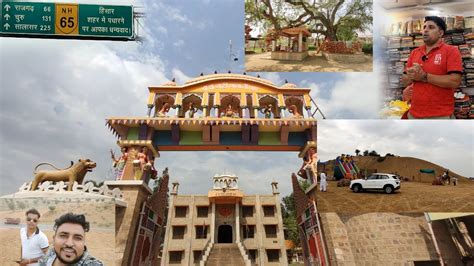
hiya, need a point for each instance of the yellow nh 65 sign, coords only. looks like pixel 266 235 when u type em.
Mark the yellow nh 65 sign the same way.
pixel 67 19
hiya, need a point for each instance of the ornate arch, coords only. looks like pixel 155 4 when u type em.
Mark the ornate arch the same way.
pixel 161 100
pixel 234 102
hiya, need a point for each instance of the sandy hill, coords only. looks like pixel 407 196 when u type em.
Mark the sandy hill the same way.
pixel 403 166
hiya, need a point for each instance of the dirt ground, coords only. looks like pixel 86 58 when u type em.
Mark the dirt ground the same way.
pixel 314 63
pixel 100 244
pixel 412 197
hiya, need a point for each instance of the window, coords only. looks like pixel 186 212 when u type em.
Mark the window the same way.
pixel 178 232
pixel 202 211
pixel 253 255
pixel 201 231
pixel 247 211
pixel 271 231
pixel 180 211
pixel 176 257
pixel 197 255
pixel 269 211
pixel 273 255
pixel 248 231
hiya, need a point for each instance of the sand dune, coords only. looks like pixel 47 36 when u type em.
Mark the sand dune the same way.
pixel 403 166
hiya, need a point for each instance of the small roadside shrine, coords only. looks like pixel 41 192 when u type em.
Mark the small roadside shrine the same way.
pixel 296 47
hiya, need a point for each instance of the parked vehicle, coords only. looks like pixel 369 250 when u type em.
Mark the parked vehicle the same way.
pixel 377 181
pixel 12 220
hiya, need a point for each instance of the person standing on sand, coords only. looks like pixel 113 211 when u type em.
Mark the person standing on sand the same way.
pixel 323 184
pixel 34 243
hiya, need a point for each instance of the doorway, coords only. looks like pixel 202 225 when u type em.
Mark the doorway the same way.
pixel 224 234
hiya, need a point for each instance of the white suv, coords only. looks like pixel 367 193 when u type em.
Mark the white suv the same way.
pixel 377 181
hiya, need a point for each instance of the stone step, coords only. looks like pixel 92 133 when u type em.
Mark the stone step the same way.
pixel 225 254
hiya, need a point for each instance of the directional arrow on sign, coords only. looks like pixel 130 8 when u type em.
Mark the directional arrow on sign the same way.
pixel 7 17
pixel 6 26
pixel 7 7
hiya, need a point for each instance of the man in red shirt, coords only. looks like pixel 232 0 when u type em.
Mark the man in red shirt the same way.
pixel 434 69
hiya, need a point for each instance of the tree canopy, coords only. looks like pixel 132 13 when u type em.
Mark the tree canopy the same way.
pixel 335 19
pixel 288 213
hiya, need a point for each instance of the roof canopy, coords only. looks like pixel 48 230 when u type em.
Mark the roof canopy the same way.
pixel 290 32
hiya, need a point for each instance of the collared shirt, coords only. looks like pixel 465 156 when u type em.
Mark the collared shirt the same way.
pixel 86 259
pixel 430 100
pixel 31 247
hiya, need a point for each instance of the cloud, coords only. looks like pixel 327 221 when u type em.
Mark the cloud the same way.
pixel 178 43
pixel 355 96
pixel 54 102
pixel 181 78
pixel 273 77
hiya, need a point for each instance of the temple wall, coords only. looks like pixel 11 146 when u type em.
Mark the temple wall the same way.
pixel 377 238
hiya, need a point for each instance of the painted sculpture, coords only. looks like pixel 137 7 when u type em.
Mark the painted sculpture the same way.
pixel 119 164
pixel 164 110
pixel 143 167
pixel 267 111
pixel 192 110
pixel 76 172
pixel 294 111
pixel 230 112
pixel 308 169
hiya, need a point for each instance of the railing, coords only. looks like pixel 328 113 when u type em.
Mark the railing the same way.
pixel 204 255
pixel 244 252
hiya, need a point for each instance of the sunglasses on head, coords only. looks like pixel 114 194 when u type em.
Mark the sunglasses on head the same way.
pixel 31 219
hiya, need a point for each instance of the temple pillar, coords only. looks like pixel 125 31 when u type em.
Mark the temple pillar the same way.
pixel 300 42
pixel 213 222
pixel 237 222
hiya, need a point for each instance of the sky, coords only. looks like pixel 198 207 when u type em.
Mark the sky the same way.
pixel 56 94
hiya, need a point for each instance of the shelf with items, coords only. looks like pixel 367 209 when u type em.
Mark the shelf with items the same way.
pixel 399 48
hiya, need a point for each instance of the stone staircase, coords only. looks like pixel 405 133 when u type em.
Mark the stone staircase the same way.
pixel 225 254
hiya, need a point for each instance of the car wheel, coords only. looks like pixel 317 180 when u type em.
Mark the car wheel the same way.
pixel 388 189
pixel 357 188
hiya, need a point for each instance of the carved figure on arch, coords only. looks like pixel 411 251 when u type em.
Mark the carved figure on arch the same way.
pixel 230 112
pixel 294 111
pixel 119 164
pixel 191 110
pixel 76 172
pixel 267 111
pixel 308 169
pixel 143 165
pixel 164 110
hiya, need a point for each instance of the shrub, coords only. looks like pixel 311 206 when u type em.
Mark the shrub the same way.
pixel 367 48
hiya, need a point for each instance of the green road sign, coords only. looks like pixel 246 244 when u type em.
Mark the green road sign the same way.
pixel 73 20
pixel 28 18
pixel 105 20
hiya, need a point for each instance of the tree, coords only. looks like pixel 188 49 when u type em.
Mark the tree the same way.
pixel 357 151
pixel 328 18
pixel 366 153
pixel 288 213
pixel 373 153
